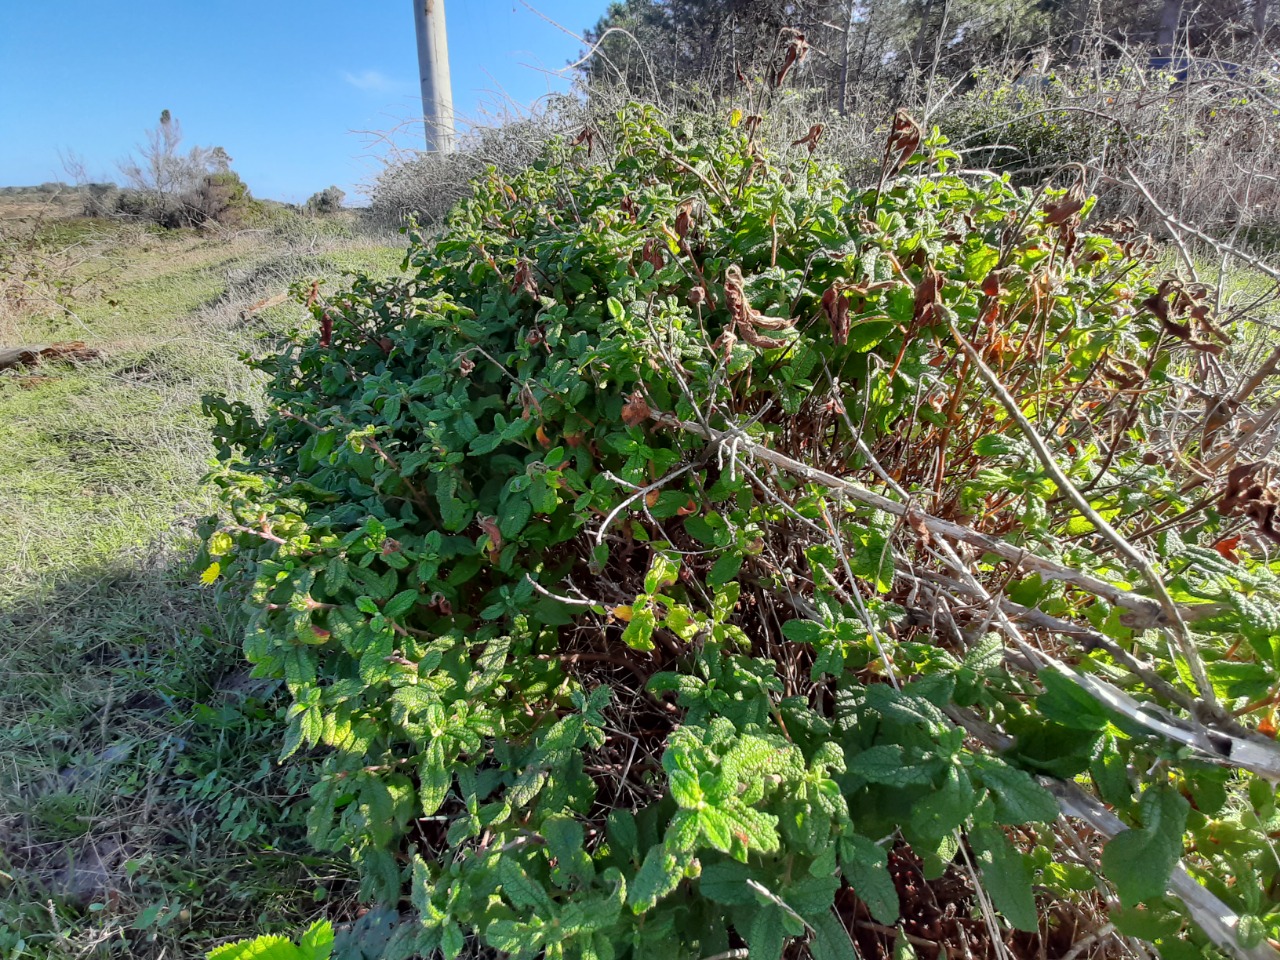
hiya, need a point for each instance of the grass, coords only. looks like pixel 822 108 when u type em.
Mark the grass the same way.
pixel 141 812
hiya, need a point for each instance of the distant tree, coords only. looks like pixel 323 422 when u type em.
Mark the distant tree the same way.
pixel 162 174
pixel 328 200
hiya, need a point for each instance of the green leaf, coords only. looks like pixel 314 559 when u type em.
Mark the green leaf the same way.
pixel 979 261
pixel 946 808
pixel 802 631
pixel 522 890
pixel 564 837
pixel 717 828
pixel 866 866
pixel 317 942
pixel 265 947
pixel 1018 798
pixel 866 334
pixel 1066 703
pixel 623 835
pixel 292 738
pixel 996 445
pixel 685 789
pixel 724 569
pixel 434 778
pixel 639 632
pixel 663 571
pixel 1006 876
pixel 657 877
pixel 400 604
pixel 1140 861
pixel 515 516
pixel 726 882
pixel 830 938
pixel 886 764
pixel 767 935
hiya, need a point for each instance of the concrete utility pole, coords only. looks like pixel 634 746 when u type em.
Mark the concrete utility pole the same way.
pixel 433 66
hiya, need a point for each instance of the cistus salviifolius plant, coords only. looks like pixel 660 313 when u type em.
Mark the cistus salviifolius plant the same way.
pixel 603 644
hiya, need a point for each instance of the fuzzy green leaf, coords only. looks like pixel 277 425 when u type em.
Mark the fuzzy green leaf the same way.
pixel 657 877
pixel 1140 861
pixel 1007 876
pixel 1018 798
pixel 866 866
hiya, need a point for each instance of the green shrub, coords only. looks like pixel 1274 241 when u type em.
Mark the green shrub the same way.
pixel 583 685
pixel 328 200
pixel 222 198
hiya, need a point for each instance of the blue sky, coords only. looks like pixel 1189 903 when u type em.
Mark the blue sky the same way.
pixel 285 86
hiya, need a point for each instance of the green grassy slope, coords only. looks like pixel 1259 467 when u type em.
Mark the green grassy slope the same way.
pixel 140 811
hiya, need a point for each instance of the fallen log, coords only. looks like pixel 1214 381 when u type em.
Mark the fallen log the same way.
pixel 68 351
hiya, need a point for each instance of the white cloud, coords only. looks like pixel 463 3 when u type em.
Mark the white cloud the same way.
pixel 372 81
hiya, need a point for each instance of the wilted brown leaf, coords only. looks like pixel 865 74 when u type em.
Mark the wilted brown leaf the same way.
pixel 904 140
pixel 810 139
pixel 1058 212
pixel 797 51
pixel 684 219
pixel 490 527
pixel 652 254
pixel 524 279
pixel 835 306
pixel 635 410
pixel 586 136
pixel 928 297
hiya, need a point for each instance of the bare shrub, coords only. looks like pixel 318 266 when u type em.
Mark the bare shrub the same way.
pixel 1200 134
pixel 427 185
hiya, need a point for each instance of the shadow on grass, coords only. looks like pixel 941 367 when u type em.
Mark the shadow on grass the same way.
pixel 141 809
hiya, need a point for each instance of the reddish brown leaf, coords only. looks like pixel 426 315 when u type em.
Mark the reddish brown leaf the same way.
pixel 68 351
pixel 916 522
pixel 1226 548
pixel 635 410
pixel 684 219
pixel 743 313
pixel 904 140
pixel 1267 726
pixel 810 139
pixel 928 297
pixel 524 280
pixel 652 253
pixel 587 136
pixel 1058 212
pixel 797 51
pixel 993 283
pixel 835 306
pixel 490 527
